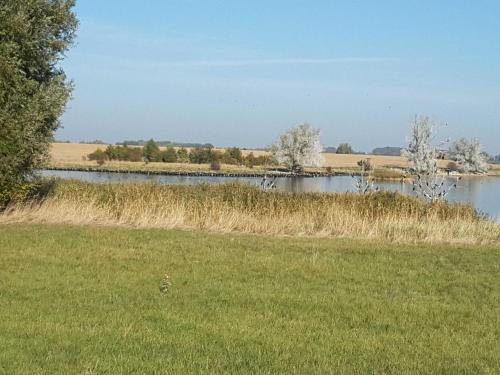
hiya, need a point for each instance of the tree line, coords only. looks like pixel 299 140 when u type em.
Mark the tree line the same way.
pixel 151 152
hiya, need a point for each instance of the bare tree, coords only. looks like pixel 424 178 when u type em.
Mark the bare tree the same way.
pixel 469 155
pixel 299 147
pixel 267 184
pixel 362 183
pixel 433 187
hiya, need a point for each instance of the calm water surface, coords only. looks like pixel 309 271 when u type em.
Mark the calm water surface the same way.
pixel 483 192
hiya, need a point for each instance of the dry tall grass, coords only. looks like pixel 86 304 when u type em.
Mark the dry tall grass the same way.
pixel 241 208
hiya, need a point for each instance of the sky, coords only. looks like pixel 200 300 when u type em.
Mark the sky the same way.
pixel 239 73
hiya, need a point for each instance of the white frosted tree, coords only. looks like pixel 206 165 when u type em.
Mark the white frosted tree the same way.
pixel 421 153
pixel 299 147
pixel 422 156
pixel 468 154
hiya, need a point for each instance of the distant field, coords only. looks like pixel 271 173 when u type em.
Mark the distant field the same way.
pixel 76 153
pixel 72 154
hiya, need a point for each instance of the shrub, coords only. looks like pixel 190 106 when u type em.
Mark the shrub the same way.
pixel 182 155
pixel 99 156
pixel 365 164
pixel 250 160
pixel 33 190
pixel 169 155
pixel 232 156
pixel 215 166
pixel 201 155
pixel 124 153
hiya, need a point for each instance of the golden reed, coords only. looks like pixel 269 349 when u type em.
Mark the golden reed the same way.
pixel 241 208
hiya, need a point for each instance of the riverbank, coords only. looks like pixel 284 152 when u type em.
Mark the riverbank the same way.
pixel 87 299
pixel 246 209
pixel 178 169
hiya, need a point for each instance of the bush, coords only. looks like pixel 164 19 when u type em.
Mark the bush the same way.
pixel 169 155
pixel 232 156
pixel 99 156
pixel 215 166
pixel 201 155
pixel 182 155
pixel 33 190
pixel 365 164
pixel 124 153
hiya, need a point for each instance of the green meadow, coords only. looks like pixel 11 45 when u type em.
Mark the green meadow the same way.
pixel 94 300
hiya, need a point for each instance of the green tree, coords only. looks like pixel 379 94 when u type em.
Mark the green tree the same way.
pixel 345 148
pixel 151 151
pixel 34 34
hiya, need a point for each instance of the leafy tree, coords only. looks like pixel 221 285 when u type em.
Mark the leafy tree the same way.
pixel 299 147
pixel 345 148
pixel 34 34
pixel 469 155
pixel 151 151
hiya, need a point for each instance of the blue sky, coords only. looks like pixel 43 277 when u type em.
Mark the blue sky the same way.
pixel 240 72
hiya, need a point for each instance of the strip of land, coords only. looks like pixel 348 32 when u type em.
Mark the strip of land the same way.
pixel 72 156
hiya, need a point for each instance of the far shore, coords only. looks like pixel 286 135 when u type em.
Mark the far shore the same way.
pixel 72 157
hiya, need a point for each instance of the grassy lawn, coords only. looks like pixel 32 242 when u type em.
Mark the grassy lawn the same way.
pixel 87 300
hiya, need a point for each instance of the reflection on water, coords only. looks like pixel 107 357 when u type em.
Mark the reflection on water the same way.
pixel 483 192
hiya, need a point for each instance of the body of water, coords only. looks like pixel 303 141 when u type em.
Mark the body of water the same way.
pixel 482 192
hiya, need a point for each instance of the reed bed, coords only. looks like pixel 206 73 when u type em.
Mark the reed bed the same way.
pixel 241 208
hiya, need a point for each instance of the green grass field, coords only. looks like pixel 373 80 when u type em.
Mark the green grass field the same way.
pixel 81 300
